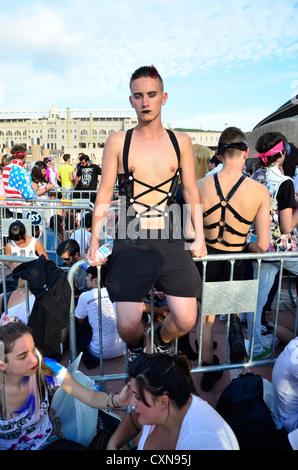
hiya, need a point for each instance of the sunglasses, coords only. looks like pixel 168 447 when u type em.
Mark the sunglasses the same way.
pixel 65 259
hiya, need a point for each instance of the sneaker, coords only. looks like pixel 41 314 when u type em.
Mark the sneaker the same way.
pixel 267 328
pixel 133 353
pixel 159 345
pixel 266 352
pixel 136 351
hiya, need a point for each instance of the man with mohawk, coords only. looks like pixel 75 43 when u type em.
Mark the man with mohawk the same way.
pixel 150 249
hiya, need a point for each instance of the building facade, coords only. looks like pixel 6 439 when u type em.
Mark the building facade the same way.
pixel 56 132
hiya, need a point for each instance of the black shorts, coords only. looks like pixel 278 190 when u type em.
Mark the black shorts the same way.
pixel 134 268
pixel 217 271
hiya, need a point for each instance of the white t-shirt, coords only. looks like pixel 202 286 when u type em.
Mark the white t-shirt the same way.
pixel 112 344
pixel 28 431
pixel 83 237
pixel 202 429
pixel 285 385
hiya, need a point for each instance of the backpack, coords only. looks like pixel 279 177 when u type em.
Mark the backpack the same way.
pixel 242 406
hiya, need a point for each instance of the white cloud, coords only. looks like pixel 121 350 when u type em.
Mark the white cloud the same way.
pixel 81 54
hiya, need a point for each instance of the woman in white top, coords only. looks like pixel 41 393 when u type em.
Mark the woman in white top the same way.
pixel 21 244
pixel 168 410
pixel 17 303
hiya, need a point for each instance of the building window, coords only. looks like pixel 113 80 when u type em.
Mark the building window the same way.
pixel 52 134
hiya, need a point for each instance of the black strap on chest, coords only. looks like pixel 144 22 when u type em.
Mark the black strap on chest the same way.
pixel 159 186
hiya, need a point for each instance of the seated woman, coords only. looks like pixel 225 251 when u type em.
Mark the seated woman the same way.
pixel 21 244
pixel 168 410
pixel 16 303
pixel 25 380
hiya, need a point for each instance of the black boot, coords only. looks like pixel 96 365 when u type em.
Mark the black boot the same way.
pixel 185 347
pixel 236 341
pixel 209 378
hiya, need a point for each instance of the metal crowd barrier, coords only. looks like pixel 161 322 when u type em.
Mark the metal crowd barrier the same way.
pixel 217 298
pixel 36 218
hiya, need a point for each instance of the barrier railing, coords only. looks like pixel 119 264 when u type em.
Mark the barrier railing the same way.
pixel 217 298
pixel 36 218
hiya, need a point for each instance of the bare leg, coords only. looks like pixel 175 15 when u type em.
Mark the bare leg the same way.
pixel 180 319
pixel 207 339
pixel 129 321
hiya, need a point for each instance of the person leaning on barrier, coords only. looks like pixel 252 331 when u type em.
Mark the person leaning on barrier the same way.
pixel 231 202
pixel 149 161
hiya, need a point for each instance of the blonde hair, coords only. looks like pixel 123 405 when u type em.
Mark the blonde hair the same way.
pixel 201 156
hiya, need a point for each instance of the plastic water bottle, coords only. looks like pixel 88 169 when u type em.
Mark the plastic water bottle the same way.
pixel 101 253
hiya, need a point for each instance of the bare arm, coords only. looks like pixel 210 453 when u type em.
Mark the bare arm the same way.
pixel 127 430
pixel 192 196
pixel 39 248
pixel 93 398
pixel 105 192
pixel 287 220
pixel 262 224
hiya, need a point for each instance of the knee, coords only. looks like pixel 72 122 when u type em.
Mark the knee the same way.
pixel 186 322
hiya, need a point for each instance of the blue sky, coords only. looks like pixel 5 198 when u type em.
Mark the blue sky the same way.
pixel 223 62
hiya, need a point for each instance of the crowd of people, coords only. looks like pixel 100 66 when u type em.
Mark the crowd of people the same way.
pixel 241 213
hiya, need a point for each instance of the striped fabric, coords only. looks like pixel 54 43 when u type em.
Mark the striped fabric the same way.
pixel 17 183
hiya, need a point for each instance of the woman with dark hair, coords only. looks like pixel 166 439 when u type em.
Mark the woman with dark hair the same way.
pixel 40 182
pixel 20 244
pixel 271 149
pixel 168 410
pixel 25 381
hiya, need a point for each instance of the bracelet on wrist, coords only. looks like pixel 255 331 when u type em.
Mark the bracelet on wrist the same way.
pixel 108 403
pixel 112 400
